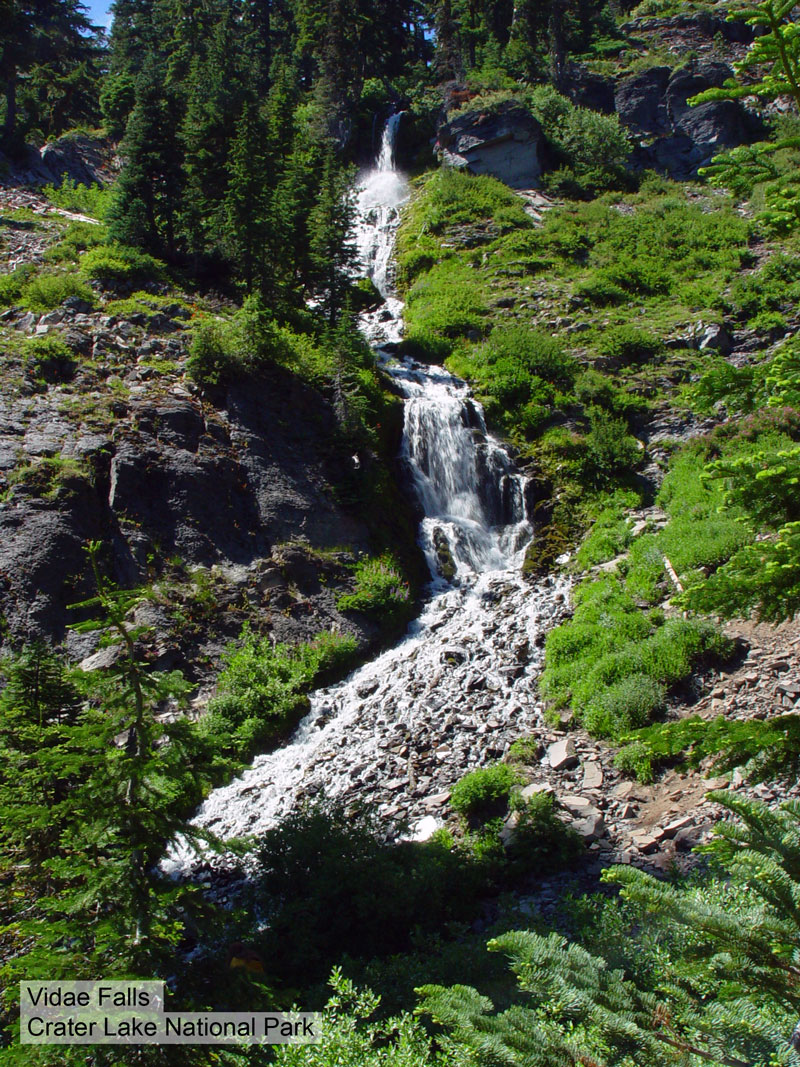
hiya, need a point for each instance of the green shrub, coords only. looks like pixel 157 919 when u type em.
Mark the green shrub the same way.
pixel 609 536
pixel 628 344
pixel 541 839
pixel 11 285
pixel 484 793
pixel 213 354
pixel 636 761
pixel 601 290
pixel 445 303
pixel 262 685
pixel 51 357
pixel 773 287
pixel 333 651
pixel 78 237
pixel 624 706
pixel 380 589
pixel 92 200
pixel 47 291
pixel 332 886
pixel 593 146
pixel 611 449
pixel 114 264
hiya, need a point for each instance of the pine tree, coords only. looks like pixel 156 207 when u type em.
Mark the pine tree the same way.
pixel 52 34
pixel 332 252
pixel 247 227
pixel 148 193
pixel 215 92
pixel 723 989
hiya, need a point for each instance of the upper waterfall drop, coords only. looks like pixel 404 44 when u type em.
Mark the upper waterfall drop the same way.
pixel 381 193
pixel 473 499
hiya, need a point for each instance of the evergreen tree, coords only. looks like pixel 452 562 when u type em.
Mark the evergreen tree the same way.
pixel 215 92
pixel 149 191
pixel 247 226
pixel 332 253
pixel 52 35
pixel 722 988
pixel 131 38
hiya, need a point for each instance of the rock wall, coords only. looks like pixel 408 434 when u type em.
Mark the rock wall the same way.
pixel 668 135
pixel 259 487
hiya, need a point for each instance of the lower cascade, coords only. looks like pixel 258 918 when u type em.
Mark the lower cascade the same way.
pixel 461 686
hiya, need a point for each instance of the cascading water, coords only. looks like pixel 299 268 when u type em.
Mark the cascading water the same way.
pixel 401 730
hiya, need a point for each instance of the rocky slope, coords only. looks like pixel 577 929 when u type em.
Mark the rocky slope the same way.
pixel 244 507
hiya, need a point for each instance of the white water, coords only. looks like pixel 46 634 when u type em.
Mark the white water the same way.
pixel 400 731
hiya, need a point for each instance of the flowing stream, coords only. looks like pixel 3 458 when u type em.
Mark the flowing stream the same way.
pixel 454 693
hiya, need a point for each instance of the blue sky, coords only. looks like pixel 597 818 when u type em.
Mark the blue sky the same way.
pixel 99 11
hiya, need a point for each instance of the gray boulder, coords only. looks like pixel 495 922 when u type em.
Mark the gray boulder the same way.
pixel 506 143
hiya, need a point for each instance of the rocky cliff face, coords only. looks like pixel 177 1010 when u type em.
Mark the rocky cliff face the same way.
pixel 667 134
pixel 247 507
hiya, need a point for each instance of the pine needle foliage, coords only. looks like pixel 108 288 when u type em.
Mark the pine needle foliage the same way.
pixel 725 990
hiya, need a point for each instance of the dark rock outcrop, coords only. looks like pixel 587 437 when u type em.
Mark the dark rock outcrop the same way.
pixel 673 136
pixel 506 143
pixel 170 482
pixel 78 157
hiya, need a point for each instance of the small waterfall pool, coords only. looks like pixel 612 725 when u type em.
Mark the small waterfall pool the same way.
pixel 452 695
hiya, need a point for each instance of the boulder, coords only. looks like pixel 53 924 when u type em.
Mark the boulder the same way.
pixel 716 338
pixel 640 100
pixel 562 755
pixel 78 157
pixel 506 143
pixel 587 89
pixel 590 828
pixel 681 138
pixel 592 775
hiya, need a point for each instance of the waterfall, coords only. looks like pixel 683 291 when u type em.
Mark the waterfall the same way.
pixel 453 694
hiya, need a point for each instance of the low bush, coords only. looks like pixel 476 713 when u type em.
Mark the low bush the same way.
pixel 609 536
pixel 593 147
pixel 611 450
pixel 628 344
pixel 624 706
pixel 484 793
pixel 380 589
pixel 213 355
pixel 635 761
pixel 45 291
pixel 262 685
pixel 78 237
pixel 114 265
pixel 541 838
pixel 52 359
pixel 70 195
pixel 12 284
pixel 331 886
